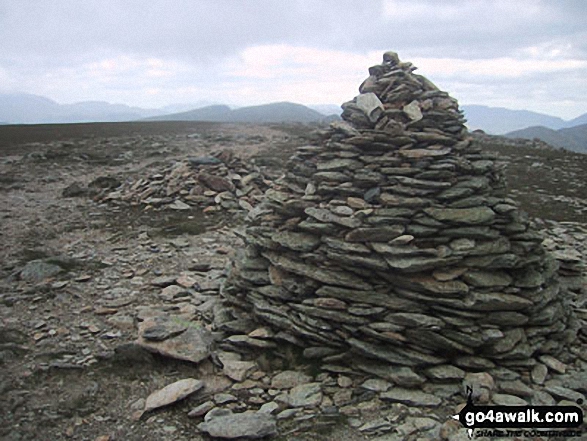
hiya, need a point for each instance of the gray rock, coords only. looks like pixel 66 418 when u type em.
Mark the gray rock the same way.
pixel 269 408
pixel 163 281
pixel 327 216
pixel 245 340
pixel 498 302
pixel 508 400
pixel 417 264
pixel 414 320
pixel 241 425
pixel 445 372
pixel 224 398
pixel 487 279
pixel 193 344
pixel 38 270
pixel 380 425
pixel 539 373
pixel 172 393
pixel 376 385
pixel 179 205
pixel 339 164
pixel 564 393
pixel 202 409
pixel 465 216
pixel 238 370
pixel 515 387
pixel 411 397
pixel 553 363
pixel 370 105
pixel 287 413
pixel 330 277
pixel 296 241
pixel 412 110
pixel 204 160
pixel 346 247
pixel 396 356
pixel 542 398
pixel 305 395
pixel 161 328
pixel 289 379
pixel 481 384
pixel 424 153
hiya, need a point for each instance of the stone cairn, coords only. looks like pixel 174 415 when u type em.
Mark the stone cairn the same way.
pixel 212 183
pixel 392 242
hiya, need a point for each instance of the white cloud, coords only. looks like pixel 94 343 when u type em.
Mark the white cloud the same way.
pixel 528 52
pixel 7 83
pixel 505 67
pixel 442 11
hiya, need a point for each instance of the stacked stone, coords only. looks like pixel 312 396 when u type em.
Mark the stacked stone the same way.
pixel 214 183
pixel 392 239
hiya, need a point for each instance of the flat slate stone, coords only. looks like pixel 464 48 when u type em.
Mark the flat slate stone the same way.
pixel 327 216
pixel 172 393
pixel 238 370
pixel 193 344
pixel 553 363
pixel 161 328
pixel 376 385
pixel 487 279
pixel 330 277
pixel 241 425
pixel 498 302
pixel 289 379
pixel 305 395
pixel 467 216
pixel 508 400
pixel 445 372
pixel 411 397
pixel 565 393
pixel 296 241
pixel 424 153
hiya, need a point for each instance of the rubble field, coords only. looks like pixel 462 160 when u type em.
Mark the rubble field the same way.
pixel 115 241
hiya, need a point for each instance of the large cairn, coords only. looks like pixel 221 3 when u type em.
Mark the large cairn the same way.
pixel 392 239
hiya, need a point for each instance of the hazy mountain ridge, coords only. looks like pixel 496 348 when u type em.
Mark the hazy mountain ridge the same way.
pixel 572 138
pixel 208 113
pixel 24 108
pixel 266 113
pixel 499 120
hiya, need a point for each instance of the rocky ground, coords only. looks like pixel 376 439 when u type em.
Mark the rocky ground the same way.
pixel 115 238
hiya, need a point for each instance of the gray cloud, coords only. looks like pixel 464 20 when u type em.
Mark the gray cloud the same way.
pixel 207 29
pixel 47 42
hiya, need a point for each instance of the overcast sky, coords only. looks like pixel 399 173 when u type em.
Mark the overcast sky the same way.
pixel 519 54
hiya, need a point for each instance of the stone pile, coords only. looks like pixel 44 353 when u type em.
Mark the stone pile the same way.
pixel 213 183
pixel 568 247
pixel 392 239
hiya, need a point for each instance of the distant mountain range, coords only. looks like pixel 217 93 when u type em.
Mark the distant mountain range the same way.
pixel 499 121
pixel 268 113
pixel 24 108
pixel 572 138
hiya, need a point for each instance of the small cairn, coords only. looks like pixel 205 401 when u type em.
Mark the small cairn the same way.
pixel 392 240
pixel 212 183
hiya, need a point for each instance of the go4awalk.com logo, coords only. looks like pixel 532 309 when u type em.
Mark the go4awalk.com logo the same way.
pixel 520 421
